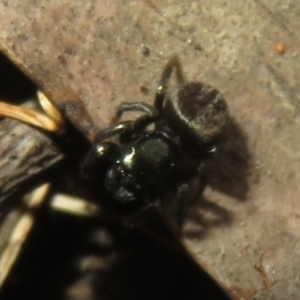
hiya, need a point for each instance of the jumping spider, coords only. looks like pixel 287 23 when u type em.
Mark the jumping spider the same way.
pixel 146 162
pixel 162 150
pixel 187 125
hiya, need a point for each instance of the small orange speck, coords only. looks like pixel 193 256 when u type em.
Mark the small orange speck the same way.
pixel 280 48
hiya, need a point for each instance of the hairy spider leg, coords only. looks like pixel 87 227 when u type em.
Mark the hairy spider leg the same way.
pixel 127 129
pixel 184 201
pixel 172 64
pixel 136 106
pixel 118 129
pixel 103 150
pixel 151 114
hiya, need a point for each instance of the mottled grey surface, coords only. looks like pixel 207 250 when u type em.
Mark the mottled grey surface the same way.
pixel 25 152
pixel 246 230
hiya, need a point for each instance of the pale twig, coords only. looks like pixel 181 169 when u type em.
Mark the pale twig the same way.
pixel 74 205
pixel 50 109
pixel 21 231
pixel 53 120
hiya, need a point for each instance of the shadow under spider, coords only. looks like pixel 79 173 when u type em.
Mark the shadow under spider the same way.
pixel 229 172
pixel 203 216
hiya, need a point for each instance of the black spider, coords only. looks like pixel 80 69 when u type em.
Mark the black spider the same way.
pixel 138 169
pixel 187 125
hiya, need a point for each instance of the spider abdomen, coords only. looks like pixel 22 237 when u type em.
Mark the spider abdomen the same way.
pixel 196 111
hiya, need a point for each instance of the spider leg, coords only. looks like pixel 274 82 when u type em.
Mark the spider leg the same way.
pixel 185 199
pixel 151 114
pixel 136 106
pixel 208 152
pixel 172 64
pixel 126 129
pixel 118 129
pixel 52 121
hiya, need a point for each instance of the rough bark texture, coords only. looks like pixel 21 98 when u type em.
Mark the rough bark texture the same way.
pixel 245 230
pixel 24 153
